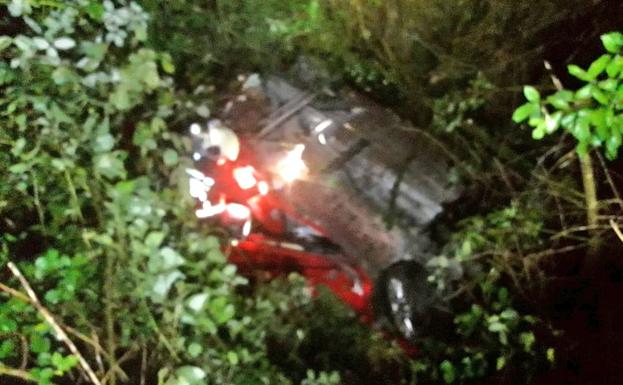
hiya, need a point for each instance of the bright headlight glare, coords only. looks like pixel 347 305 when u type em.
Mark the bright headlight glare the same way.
pixel 195 173
pixel 195 129
pixel 263 187
pixel 246 228
pixel 238 211
pixel 209 210
pixel 197 189
pixel 292 166
pixel 244 177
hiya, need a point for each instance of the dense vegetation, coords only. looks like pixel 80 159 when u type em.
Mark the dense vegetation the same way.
pixel 94 208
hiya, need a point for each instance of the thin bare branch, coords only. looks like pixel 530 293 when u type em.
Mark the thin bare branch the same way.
pixel 60 333
pixel 117 368
pixel 549 252
pixel 23 297
pixel 14 293
pixel 617 229
pixel 143 366
pixel 17 373
pixel 613 187
pixel 577 229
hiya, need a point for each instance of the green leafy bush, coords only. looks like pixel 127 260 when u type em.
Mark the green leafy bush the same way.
pixel 481 269
pixel 592 114
pixel 96 214
pixel 94 208
pixel 215 41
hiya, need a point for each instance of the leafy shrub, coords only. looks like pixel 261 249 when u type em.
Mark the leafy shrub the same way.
pixel 96 214
pixel 480 270
pixel 94 210
pixel 592 113
pixel 336 341
pixel 215 41
pixel 409 52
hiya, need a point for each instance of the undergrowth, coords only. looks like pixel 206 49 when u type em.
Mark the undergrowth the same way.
pixel 94 210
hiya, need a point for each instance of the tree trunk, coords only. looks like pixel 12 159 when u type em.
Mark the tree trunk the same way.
pixel 590 197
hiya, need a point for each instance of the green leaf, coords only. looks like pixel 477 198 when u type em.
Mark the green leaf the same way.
pixel 215 256
pixel 43 376
pixel 110 165
pixel 613 42
pixel 170 157
pixel 144 137
pixel 531 94
pixel 600 96
pixel 608 85
pixel 170 258
pixel 581 130
pixel 163 284
pixel 509 314
pixel 64 43
pixel 19 7
pixel 154 239
pixel 578 72
pixel 585 92
pixel 95 10
pixel 39 344
pixel 448 372
pixel 95 51
pixel 598 120
pixel 196 302
pixel 232 357
pixel 503 296
pixel 203 111
pixel 190 375
pixel 167 63
pixel 525 111
pixel 150 76
pixel 157 125
pixel 503 337
pixel 527 339
pixel 221 310
pixel 41 43
pixel 64 75
pixel 229 270
pixel 497 327
pixel 125 188
pixel 500 363
pixel 120 98
pixel 568 120
pixel 561 99
pixel 612 145
pixel 539 132
pixel 552 122
pixel 19 168
pixel 5 42
pixel 194 350
pixel 103 143
pixel 551 355
pixel 63 364
pixel 615 66
pixel 598 66
pixel 7 348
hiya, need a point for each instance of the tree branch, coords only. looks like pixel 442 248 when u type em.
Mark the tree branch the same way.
pixel 60 333
pixel 17 373
pixel 616 229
